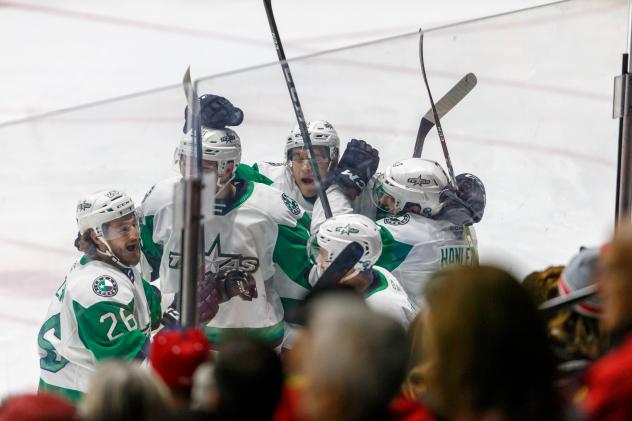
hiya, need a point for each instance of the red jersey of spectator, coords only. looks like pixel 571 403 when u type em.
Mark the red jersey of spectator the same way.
pixel 400 409
pixel 609 385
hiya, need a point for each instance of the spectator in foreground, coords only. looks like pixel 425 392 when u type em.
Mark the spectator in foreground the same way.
pixel 353 361
pixel 124 392
pixel 37 407
pixel 174 356
pixel 244 383
pixel 487 349
pixel 609 380
pixel 574 331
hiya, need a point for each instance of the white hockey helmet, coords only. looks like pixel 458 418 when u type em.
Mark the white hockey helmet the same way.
pixel 99 208
pixel 321 133
pixel 416 181
pixel 335 233
pixel 218 145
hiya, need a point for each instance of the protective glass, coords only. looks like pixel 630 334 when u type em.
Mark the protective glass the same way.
pixel 384 202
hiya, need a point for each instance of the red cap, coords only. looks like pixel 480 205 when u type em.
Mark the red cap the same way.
pixel 37 407
pixel 175 355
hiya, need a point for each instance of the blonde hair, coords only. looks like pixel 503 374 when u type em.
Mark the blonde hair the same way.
pixel 124 391
pixel 487 347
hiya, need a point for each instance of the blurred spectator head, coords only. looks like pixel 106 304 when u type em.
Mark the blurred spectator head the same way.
pixel 574 332
pixel 248 378
pixel 124 391
pixel 487 347
pixel 353 360
pixel 175 355
pixel 414 386
pixel 615 283
pixel 36 407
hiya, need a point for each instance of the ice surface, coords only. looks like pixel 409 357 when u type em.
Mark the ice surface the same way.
pixel 536 129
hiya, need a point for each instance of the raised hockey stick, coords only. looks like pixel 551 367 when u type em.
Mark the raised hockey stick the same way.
pixel 444 145
pixel 444 105
pixel 348 257
pixel 192 252
pixel 552 306
pixel 298 110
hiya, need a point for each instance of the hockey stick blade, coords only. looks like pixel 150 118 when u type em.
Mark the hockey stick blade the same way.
pixel 445 104
pixel 552 306
pixel 342 264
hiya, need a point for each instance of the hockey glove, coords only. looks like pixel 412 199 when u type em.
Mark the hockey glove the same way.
pixel 465 206
pixel 208 299
pixel 356 167
pixel 216 112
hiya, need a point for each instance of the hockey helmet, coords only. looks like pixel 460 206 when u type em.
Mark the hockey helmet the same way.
pixel 339 231
pixel 414 181
pixel 321 133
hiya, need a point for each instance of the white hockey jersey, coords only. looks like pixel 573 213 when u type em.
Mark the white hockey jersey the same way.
pixel 277 175
pixel 263 234
pixel 413 247
pixel 340 205
pixel 388 297
pixel 98 312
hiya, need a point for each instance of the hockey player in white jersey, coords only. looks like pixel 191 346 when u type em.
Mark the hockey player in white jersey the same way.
pixel 103 309
pixel 380 288
pixel 257 238
pixel 425 229
pixel 294 176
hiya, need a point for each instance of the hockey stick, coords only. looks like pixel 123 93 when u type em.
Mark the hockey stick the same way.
pixel 552 306
pixel 444 145
pixel 445 104
pixel 192 257
pixel 435 113
pixel 298 110
pixel 347 259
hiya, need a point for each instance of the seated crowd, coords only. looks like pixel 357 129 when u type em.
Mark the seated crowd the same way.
pixel 479 350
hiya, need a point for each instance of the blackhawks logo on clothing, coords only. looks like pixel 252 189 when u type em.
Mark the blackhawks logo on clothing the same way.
pixel 105 286
pixel 291 204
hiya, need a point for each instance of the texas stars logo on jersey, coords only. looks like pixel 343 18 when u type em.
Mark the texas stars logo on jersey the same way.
pixel 397 220
pixel 291 204
pixel 105 286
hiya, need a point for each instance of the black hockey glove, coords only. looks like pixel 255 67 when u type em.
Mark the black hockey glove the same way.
pixel 216 112
pixel 356 167
pixel 208 299
pixel 467 205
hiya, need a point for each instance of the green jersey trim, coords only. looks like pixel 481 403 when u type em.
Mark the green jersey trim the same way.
pixel 245 172
pixel 152 251
pixel 380 285
pixel 290 251
pixel 109 329
pixel 153 296
pixel 73 395
pixel 271 334
pixel 240 200
pixel 393 251
pixel 290 304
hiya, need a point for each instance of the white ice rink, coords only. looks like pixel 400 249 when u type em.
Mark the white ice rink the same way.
pixel 537 129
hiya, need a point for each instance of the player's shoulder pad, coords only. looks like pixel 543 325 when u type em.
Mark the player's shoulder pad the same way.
pixel 278 206
pixel 411 228
pixel 159 195
pixel 275 171
pixel 95 281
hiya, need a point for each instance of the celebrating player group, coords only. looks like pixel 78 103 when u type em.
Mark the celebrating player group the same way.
pixel 265 247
